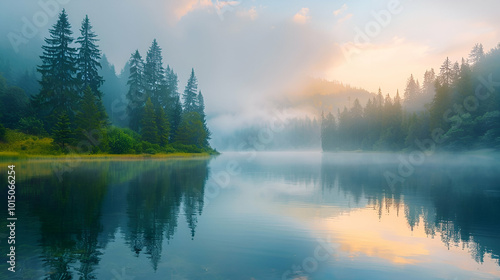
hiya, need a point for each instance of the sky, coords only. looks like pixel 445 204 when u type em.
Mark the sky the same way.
pixel 249 53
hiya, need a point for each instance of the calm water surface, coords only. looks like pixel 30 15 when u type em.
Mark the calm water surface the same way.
pixel 259 216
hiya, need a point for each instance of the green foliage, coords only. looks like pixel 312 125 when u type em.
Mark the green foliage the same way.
pixel 154 75
pixel 136 92
pixel 58 70
pixel 189 96
pixel 173 106
pixel 441 103
pixel 2 132
pixel 31 125
pixel 15 141
pixel 89 118
pixel 120 142
pixel 149 129
pixel 191 130
pixel 187 148
pixel 163 126
pixel 464 109
pixel 62 132
pixel 329 140
pixel 377 126
pixel 70 104
pixel 459 136
pixel 13 105
pixel 88 59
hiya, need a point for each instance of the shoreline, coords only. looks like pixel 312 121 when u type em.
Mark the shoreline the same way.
pixel 5 156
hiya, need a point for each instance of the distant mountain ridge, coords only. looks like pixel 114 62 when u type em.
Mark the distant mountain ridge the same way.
pixel 319 95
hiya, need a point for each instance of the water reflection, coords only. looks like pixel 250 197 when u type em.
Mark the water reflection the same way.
pixel 154 202
pixel 457 201
pixel 143 218
pixel 70 239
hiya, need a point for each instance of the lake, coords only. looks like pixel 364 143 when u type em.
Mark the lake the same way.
pixel 257 216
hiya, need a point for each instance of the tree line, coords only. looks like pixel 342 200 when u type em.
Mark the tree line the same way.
pixel 69 105
pixel 458 108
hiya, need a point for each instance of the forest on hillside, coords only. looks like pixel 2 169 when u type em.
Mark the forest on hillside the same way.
pixel 455 109
pixel 74 96
pixel 69 106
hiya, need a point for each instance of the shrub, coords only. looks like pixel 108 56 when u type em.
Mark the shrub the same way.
pixel 119 142
pixel 169 149
pixel 187 148
pixel 2 132
pixel 31 126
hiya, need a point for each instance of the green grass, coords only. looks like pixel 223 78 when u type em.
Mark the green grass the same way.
pixel 24 144
pixel 18 145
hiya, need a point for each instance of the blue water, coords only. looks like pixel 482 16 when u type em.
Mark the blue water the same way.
pixel 300 215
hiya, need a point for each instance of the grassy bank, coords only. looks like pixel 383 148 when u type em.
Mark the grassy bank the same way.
pixel 18 145
pixel 23 156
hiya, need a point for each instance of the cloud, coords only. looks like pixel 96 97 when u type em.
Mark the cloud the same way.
pixel 348 16
pixel 302 16
pixel 182 8
pixel 367 61
pixel 223 6
pixel 340 11
pixel 250 13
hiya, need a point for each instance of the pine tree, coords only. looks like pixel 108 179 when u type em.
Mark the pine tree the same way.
pixel 445 74
pixel 149 129
pixel 88 118
pixel 154 75
pixel 397 116
pixel 89 56
pixel 62 131
pixel 328 132
pixel 163 126
pixel 411 92
pixel 476 54
pixel 200 103
pixel 428 85
pixel 455 73
pixel 58 83
pixel 173 107
pixel 136 93
pixel 189 95
pixel 191 130
pixel 439 105
pixel 379 101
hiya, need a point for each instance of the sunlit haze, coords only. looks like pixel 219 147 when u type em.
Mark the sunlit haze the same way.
pixel 248 53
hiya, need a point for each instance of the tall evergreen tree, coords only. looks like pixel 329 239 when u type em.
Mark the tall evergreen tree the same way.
pixel 439 105
pixel 446 73
pixel 476 54
pixel 191 130
pixel 58 83
pixel 411 92
pixel 428 85
pixel 190 92
pixel 89 56
pixel 163 126
pixel 149 130
pixel 201 111
pixel 62 132
pixel 154 75
pixel 136 94
pixel 328 132
pixel 455 72
pixel 173 107
pixel 88 118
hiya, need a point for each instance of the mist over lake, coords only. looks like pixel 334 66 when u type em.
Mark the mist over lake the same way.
pixel 252 140
pixel 272 215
